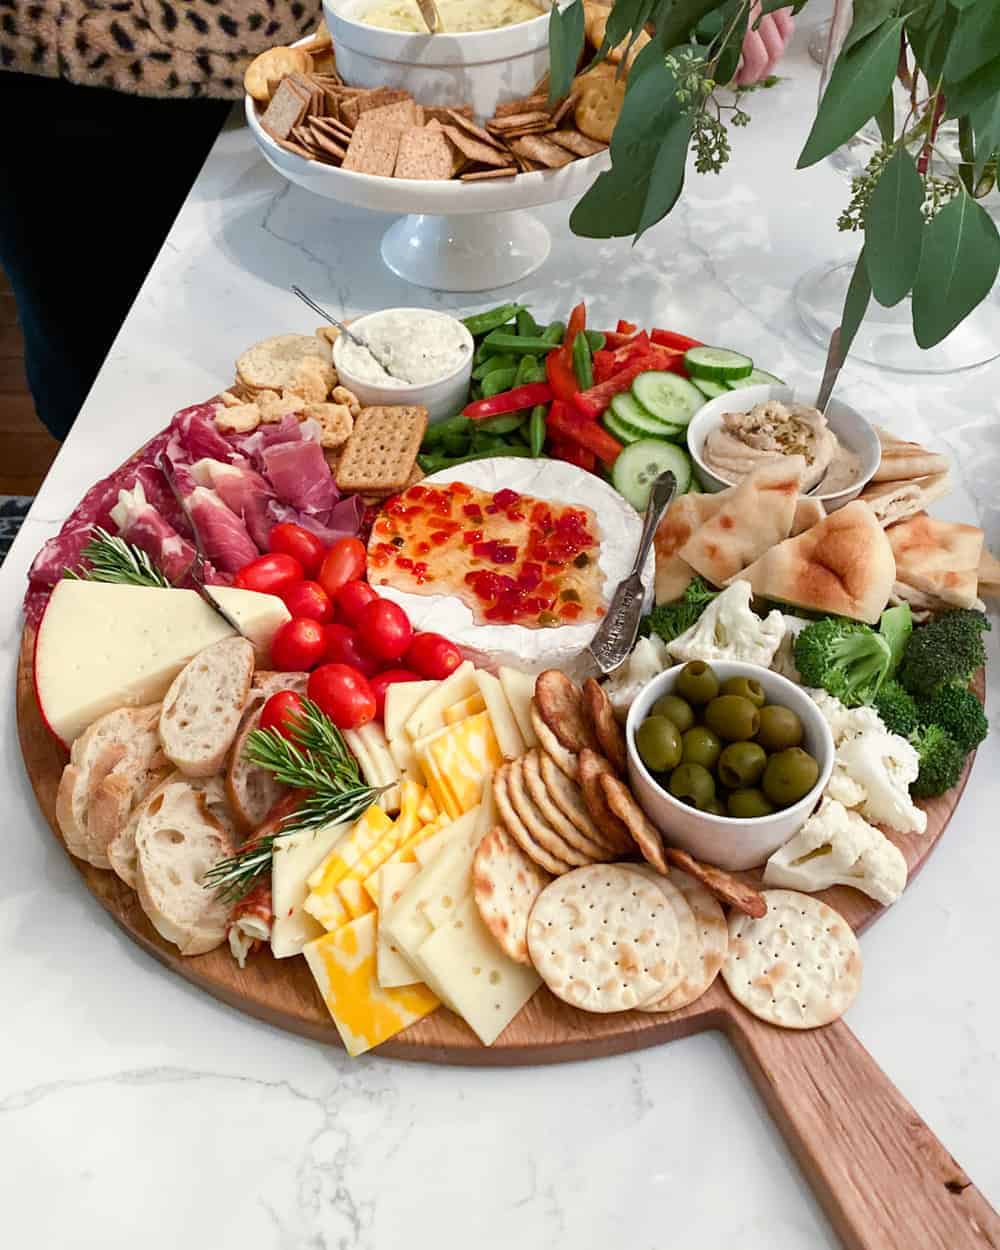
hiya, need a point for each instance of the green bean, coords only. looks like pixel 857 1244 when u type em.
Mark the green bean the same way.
pixel 497 381
pixel 555 333
pixel 484 322
pixel 583 365
pixel 596 340
pixel 536 428
pixel 455 444
pixel 494 362
pixel 527 326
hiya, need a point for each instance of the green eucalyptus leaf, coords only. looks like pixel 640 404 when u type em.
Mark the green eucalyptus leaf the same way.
pixel 958 266
pixel 976 40
pixel 894 228
pixel 625 16
pixel 860 81
pixel 986 132
pixel 675 19
pixel 962 4
pixel 565 46
pixel 978 89
pixel 885 119
pixel 859 294
pixel 868 16
pixel 930 38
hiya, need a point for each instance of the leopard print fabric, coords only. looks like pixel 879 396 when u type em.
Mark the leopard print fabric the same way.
pixel 149 47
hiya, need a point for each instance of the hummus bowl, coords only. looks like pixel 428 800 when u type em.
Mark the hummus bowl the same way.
pixel 854 433
pixel 727 841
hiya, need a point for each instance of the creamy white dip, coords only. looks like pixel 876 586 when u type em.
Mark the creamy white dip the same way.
pixel 417 346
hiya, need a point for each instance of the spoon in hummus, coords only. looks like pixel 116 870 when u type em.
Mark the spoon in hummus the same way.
pixel 831 372
pixel 432 18
pixel 358 342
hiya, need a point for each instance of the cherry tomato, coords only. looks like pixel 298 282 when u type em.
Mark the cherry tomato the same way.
pixel 281 711
pixel 270 575
pixel 344 562
pixel 296 541
pixel 298 646
pixel 309 599
pixel 343 646
pixel 343 693
pixel 432 656
pixel 385 629
pixel 382 682
pixel 352 599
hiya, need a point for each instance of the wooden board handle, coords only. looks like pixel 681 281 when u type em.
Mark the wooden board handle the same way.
pixel 881 1175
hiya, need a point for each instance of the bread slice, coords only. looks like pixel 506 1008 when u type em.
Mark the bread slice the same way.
pixel 113 764
pixel 202 710
pixel 177 840
pixel 253 791
pixel 269 681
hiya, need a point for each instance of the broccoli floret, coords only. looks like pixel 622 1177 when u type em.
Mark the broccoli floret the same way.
pixel 945 652
pixel 957 710
pixel 846 658
pixel 897 708
pixel 670 620
pixel 941 760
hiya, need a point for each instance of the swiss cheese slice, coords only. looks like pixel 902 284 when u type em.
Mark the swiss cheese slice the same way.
pixel 102 646
pixel 505 727
pixel 469 822
pixel 520 690
pixel 295 856
pixel 429 712
pixel 393 966
pixel 402 699
pixel 344 965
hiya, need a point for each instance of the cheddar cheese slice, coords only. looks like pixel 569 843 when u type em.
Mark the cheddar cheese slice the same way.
pixel 463 708
pixel 350 887
pixel 323 902
pixel 461 757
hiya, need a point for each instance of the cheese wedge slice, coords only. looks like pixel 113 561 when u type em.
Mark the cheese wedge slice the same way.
pixel 295 856
pixel 468 823
pixel 429 712
pixel 520 690
pixel 508 735
pixel 402 699
pixel 393 967
pixel 101 646
pixel 323 902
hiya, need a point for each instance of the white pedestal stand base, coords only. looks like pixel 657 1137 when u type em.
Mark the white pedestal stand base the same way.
pixel 470 252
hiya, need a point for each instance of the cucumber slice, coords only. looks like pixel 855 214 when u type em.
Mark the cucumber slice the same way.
pixel 624 432
pixel 712 390
pixel 628 409
pixel 757 377
pixel 717 364
pixel 640 464
pixel 667 396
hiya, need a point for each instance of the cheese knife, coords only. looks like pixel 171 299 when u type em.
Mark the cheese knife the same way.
pixel 616 635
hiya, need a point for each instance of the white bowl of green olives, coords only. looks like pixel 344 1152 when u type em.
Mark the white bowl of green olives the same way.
pixel 727 759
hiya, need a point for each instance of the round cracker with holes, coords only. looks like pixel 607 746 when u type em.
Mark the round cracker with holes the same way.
pixel 604 938
pixel 505 884
pixel 797 966
pixel 699 967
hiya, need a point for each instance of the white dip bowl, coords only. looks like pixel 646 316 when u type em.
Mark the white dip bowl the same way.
pixel 443 397
pixel 483 68
pixel 850 427
pixel 728 842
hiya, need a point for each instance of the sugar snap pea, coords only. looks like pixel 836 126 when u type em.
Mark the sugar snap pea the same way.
pixel 484 322
pixel 554 333
pixel 527 326
pixel 497 381
pixel 500 341
pixel 583 363
pixel 596 340
pixel 494 362
pixel 536 429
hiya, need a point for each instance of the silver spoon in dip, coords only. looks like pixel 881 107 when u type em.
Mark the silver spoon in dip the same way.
pixel 342 327
pixel 432 18
pixel 831 372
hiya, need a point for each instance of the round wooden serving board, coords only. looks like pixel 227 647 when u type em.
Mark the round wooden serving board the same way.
pixel 849 1127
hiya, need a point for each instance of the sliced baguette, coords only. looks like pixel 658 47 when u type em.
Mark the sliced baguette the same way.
pixel 112 766
pixel 177 840
pixel 253 791
pixel 269 681
pixel 202 710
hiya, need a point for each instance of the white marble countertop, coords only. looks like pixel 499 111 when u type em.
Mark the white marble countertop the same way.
pixel 135 1110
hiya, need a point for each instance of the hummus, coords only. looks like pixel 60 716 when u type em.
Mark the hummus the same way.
pixel 418 347
pixel 773 429
pixel 457 16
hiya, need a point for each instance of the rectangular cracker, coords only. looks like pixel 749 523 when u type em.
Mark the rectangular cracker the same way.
pixel 287 108
pixel 469 127
pixel 539 149
pixel 438 113
pixel 382 449
pixel 527 105
pixel 474 150
pixel 372 150
pixel 577 143
pixel 423 154
pixel 516 120
pixel 397 116
pixel 483 175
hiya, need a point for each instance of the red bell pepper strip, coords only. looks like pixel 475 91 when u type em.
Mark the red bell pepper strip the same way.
pixel 608 363
pixel 577 322
pixel 678 342
pixel 509 401
pixel 613 340
pixel 626 327
pixel 562 379
pixel 566 423
pixel 572 453
pixel 595 401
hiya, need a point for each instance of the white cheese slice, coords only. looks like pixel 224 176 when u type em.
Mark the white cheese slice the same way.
pixel 466 824
pixel 393 966
pixel 401 750
pixel 369 748
pixel 434 891
pixel 294 858
pixel 401 700
pixel 619 526
pixel 519 687
pixel 508 735
pixel 482 984
pixel 101 646
pixel 258 616
pixel 429 712
pixel 487 810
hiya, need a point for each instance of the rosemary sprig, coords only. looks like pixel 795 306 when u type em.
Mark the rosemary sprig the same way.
pixel 112 559
pixel 317 762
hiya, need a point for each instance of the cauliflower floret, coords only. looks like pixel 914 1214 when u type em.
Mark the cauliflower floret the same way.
pixel 648 659
pixel 837 847
pixel 884 765
pixel 845 721
pixel 844 788
pixel 784 658
pixel 728 630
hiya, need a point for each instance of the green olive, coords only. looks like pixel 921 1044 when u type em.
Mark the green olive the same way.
pixel 789 775
pixel 747 687
pixel 779 728
pixel 676 709
pixel 714 807
pixel 741 764
pixel 692 784
pixel 697 683
pixel 746 804
pixel 732 717
pixel 659 743
pixel 700 746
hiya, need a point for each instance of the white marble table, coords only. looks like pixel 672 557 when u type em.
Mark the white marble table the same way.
pixel 135 1110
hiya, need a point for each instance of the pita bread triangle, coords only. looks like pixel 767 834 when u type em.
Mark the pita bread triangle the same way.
pixel 680 521
pixel 989 574
pixel 895 501
pixel 809 511
pixel 844 566
pixel 902 460
pixel 940 558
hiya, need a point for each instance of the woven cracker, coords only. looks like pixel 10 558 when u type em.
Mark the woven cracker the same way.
pixel 699 967
pixel 798 966
pixel 592 768
pixel 553 815
pixel 505 884
pixel 382 449
pixel 604 938
pixel 516 828
pixel 560 705
pixel 644 834
pixel 568 797
pixel 608 732
pixel 551 745
pixel 536 824
pixel 423 154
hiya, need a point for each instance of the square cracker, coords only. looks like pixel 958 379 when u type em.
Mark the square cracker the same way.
pixel 537 148
pixel 382 449
pixel 372 150
pixel 398 115
pixel 423 154
pixel 577 143
pixel 287 109
pixel 474 150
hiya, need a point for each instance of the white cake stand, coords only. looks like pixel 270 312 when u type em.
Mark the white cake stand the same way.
pixel 456 236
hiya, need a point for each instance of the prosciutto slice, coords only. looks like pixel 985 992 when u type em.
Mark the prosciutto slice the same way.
pixel 224 537
pixel 145 527
pixel 243 491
